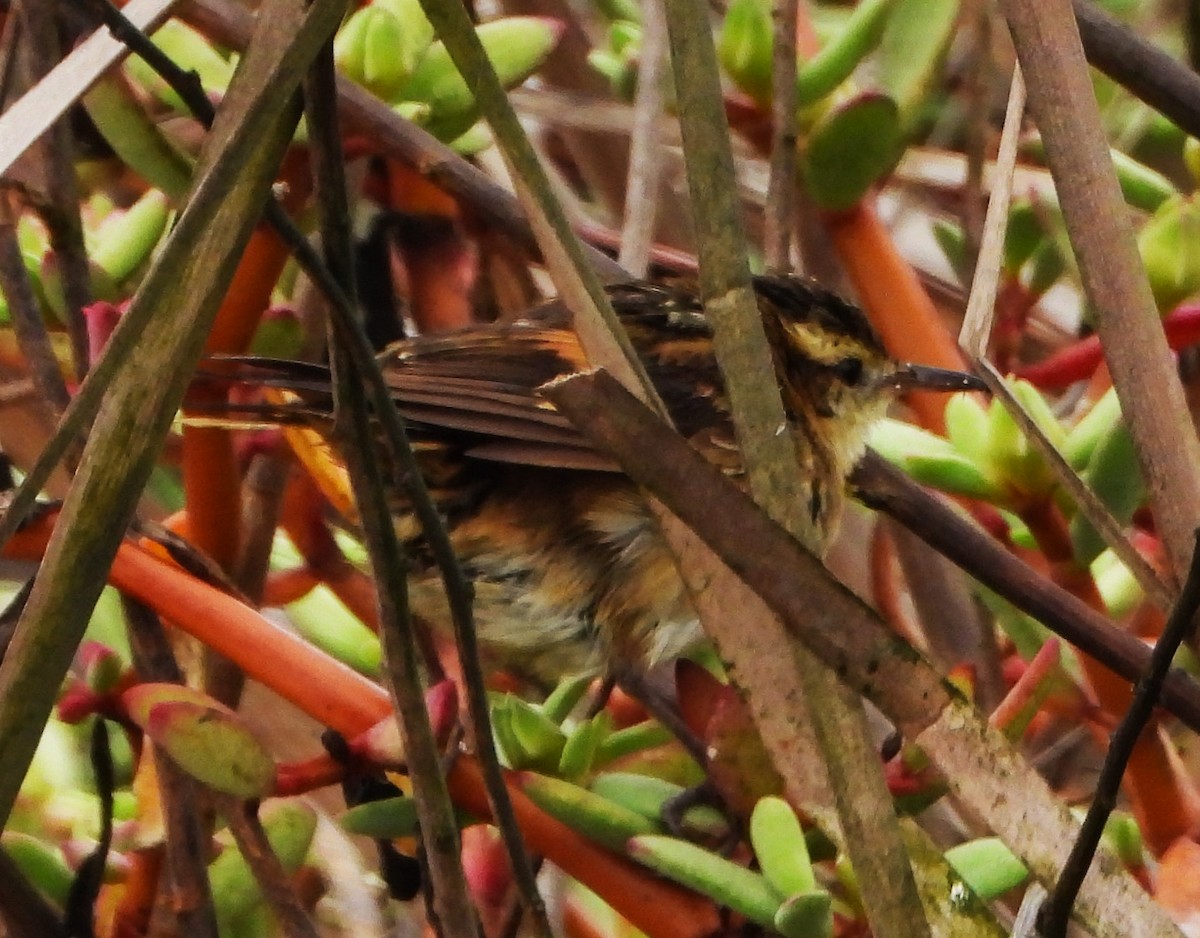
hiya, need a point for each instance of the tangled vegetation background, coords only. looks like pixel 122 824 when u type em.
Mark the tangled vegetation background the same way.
pixel 199 671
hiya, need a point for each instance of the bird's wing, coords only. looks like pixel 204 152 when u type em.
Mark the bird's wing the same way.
pixel 477 390
pixel 472 392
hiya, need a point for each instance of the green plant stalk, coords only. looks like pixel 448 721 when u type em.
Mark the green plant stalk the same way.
pixel 176 305
pixel 135 138
pixel 864 806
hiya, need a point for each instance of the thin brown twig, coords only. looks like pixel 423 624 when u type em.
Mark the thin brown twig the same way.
pixel 1063 103
pixel 26 318
pixel 451 910
pixel 61 213
pixel 780 213
pixel 1056 913
pixel 884 488
pixel 1088 503
pixel 186 835
pixel 267 870
pixel 978 84
pixel 988 257
pixel 771 453
pixel 646 153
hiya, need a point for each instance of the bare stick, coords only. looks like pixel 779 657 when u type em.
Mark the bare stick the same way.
pixel 1143 370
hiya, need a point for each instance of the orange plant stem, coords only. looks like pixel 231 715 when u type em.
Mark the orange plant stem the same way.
pixel 301 517
pixel 211 482
pixel 897 304
pixel 212 488
pixel 440 265
pixel 136 903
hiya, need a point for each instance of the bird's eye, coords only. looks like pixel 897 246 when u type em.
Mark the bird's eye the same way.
pixel 849 371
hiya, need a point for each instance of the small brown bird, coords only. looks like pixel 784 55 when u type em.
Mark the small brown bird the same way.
pixel 569 569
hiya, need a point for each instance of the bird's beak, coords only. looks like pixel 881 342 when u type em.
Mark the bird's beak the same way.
pixel 923 377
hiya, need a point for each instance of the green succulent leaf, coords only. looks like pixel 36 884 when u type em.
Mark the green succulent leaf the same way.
pixel 745 47
pixel 1081 440
pixel 967 426
pixel 1143 188
pixel 840 56
pixel 987 866
pixel 290 826
pixel 125 240
pixel 952 241
pixel 191 51
pixel 390 817
pixel 41 864
pixel 530 739
pixel 205 738
pixel 806 915
pixel 1170 246
pixel 1124 836
pixel 136 139
pixel 584 811
pixel 579 751
pixel 1022 236
pixel 565 697
pixel 1118 588
pixel 1045 268
pixel 631 739
pixel 319 615
pixel 642 794
pixel 516 46
pixel 780 846
pixel 933 461
pixel 416 32
pixel 734 886
pixel 1114 475
pixel 1012 458
pixel 915 38
pixel 850 148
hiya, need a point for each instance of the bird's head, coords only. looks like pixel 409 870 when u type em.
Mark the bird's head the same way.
pixel 835 377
